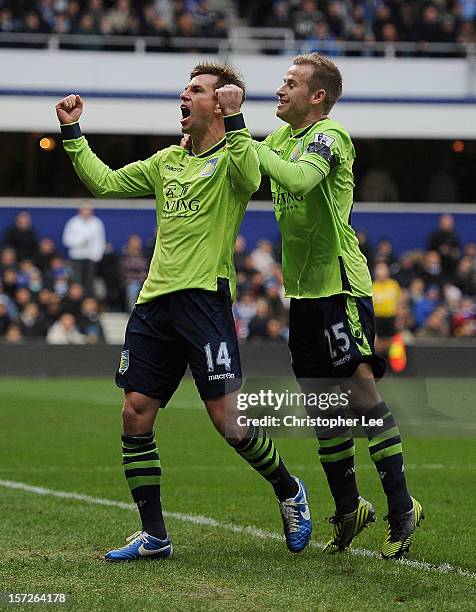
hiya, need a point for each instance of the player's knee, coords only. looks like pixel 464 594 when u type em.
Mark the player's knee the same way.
pixel 138 406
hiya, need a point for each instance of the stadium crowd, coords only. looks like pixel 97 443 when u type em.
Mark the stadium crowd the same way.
pixel 188 18
pixel 44 295
pixel 318 25
pixel 324 23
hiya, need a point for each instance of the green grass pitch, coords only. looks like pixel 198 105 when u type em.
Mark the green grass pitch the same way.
pixel 63 435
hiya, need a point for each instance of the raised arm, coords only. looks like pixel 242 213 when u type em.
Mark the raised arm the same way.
pixel 244 163
pixel 136 179
pixel 298 177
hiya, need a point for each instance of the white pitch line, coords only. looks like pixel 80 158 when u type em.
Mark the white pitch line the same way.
pixel 444 568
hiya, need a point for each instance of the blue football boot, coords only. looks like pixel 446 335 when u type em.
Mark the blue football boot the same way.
pixel 141 545
pixel 297 521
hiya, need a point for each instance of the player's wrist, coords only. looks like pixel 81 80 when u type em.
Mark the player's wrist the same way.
pixel 70 131
pixel 234 121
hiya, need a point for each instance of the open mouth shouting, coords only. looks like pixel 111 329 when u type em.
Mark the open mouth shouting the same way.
pixel 185 113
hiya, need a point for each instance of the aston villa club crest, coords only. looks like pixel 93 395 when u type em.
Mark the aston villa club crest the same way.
pixel 296 153
pixel 124 363
pixel 209 167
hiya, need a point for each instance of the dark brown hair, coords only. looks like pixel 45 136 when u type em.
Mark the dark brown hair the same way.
pixel 227 75
pixel 325 76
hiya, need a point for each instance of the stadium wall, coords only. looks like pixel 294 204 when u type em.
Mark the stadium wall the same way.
pixel 136 93
pixel 408 226
pixel 440 359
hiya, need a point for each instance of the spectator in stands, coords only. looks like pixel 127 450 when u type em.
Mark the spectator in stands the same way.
pixel 8 24
pixel 384 252
pixel 73 300
pixel 87 26
pixel 466 34
pixel 119 16
pixel 423 308
pixel 73 11
pixel 133 26
pixel 97 9
pixel 445 238
pixel 337 19
pixel 8 259
pixel 57 277
pixel 405 20
pixel 382 16
pixel 134 268
pixel 465 278
pixel 277 309
pixel 187 27
pixel 13 334
pixel 22 298
pixel 32 322
pixel 46 252
pixel 64 331
pixel 258 326
pixel 275 331
pixel 405 272
pixel 9 282
pixel 358 35
pixel 32 24
pixel 21 236
pixel 240 254
pixel 436 325
pixel 404 320
pixel 5 318
pixel 62 24
pixel 429 25
pixel 53 308
pixel 166 11
pixel 262 257
pixel 322 41
pixel 109 271
pixel 432 270
pixel 386 297
pixel 47 12
pixel 244 310
pixel 202 15
pixel 89 322
pixel 218 28
pixel 84 236
pixel 256 285
pixel 29 276
pixel 305 18
pixel 279 16
pixel 155 24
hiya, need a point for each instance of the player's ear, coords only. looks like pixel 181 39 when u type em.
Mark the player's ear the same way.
pixel 319 96
pixel 217 110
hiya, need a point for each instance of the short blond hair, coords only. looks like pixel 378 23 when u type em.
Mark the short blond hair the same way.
pixel 325 76
pixel 226 75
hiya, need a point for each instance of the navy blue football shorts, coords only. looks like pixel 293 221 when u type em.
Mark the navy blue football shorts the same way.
pixel 193 327
pixel 330 337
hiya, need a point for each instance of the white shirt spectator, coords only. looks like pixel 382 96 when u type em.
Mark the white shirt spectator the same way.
pixel 64 331
pixel 263 259
pixel 84 236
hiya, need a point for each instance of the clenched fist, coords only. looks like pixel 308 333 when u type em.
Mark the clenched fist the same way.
pixel 69 109
pixel 229 99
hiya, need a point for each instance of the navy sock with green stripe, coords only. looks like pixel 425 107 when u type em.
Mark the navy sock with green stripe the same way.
pixel 336 453
pixel 258 449
pixel 143 472
pixel 385 447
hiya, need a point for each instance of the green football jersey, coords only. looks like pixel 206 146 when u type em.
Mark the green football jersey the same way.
pixel 200 201
pixel 312 187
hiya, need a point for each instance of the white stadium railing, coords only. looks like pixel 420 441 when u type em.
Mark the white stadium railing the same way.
pixel 240 40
